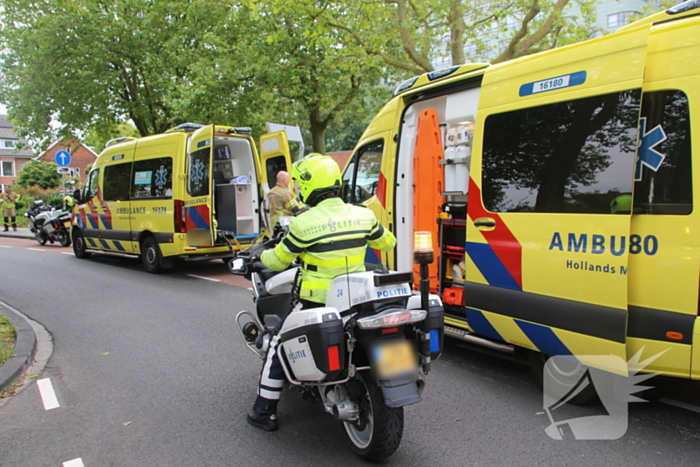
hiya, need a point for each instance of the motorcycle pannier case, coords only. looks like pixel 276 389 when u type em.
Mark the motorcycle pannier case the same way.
pixel 312 343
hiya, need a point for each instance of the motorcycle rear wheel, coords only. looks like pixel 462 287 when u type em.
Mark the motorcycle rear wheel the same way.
pixel 377 434
pixel 63 238
pixel 40 237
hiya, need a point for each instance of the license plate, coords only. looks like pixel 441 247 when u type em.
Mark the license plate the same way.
pixel 66 224
pixel 395 357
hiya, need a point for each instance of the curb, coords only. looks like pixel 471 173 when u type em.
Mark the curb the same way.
pixel 25 347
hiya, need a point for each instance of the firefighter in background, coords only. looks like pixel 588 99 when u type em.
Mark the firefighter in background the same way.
pixel 9 200
pixel 330 238
pixel 280 200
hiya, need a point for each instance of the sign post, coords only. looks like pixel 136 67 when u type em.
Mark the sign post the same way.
pixel 63 159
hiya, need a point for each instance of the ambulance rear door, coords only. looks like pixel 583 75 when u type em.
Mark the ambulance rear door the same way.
pixel 274 156
pixel 199 212
pixel 547 259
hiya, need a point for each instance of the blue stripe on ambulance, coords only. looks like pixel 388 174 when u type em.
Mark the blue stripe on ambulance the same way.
pixel 481 325
pixel 91 242
pixel 106 222
pixel 104 244
pixel 119 246
pixel 490 266
pixel 197 218
pixel 544 338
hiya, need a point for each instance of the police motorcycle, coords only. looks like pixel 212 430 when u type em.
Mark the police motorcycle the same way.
pixel 49 224
pixel 364 355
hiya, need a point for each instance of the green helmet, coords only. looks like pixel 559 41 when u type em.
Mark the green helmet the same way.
pixel 621 204
pixel 317 175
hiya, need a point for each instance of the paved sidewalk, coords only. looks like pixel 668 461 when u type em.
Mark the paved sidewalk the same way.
pixel 22 232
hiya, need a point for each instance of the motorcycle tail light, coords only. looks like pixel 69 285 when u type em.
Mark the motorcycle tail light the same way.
pixel 390 319
pixel 333 358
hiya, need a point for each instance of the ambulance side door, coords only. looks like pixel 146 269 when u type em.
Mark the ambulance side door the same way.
pixel 547 260
pixel 364 182
pixel 198 196
pixel 274 156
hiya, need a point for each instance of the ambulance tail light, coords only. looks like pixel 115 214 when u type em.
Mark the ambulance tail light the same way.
pixel 180 223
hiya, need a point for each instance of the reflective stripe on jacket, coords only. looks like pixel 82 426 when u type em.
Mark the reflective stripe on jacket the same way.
pixel 330 239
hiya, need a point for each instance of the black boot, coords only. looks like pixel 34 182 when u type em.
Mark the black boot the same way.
pixel 267 422
pixel 14 227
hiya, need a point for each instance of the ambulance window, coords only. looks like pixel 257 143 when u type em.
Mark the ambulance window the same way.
pixel 91 185
pixel 361 178
pixel 116 182
pixel 570 157
pixel 198 173
pixel 663 175
pixel 153 178
pixel 274 165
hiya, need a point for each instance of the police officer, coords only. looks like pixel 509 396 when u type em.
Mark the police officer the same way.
pixel 330 238
pixel 9 202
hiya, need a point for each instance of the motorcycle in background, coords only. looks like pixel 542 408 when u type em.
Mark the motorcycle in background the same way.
pixel 364 355
pixel 49 224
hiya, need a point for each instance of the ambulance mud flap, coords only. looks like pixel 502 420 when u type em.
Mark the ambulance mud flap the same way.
pixel 400 392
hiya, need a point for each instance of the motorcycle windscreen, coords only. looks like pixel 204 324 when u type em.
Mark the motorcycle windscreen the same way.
pixel 199 215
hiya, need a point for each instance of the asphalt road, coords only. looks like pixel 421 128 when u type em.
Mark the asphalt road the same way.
pixel 149 370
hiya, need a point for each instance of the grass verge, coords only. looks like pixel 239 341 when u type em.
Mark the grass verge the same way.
pixel 7 339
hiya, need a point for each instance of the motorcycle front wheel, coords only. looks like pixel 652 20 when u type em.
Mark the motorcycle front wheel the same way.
pixel 377 434
pixel 63 238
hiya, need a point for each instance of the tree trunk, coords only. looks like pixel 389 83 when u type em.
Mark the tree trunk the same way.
pixel 318 126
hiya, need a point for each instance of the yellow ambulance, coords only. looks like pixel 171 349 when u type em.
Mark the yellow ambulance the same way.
pixel 560 191
pixel 195 191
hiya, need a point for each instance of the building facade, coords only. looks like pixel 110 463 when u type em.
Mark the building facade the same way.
pixel 81 157
pixel 12 157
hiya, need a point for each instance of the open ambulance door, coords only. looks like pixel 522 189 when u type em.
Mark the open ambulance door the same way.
pixel 198 196
pixel 555 141
pixel 274 156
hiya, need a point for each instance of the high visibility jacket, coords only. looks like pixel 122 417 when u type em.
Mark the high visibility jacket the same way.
pixel 330 239
pixel 9 200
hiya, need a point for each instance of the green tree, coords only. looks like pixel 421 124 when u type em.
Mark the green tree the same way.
pixel 98 135
pixel 86 63
pixel 39 173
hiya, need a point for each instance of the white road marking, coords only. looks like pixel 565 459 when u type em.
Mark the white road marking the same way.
pixel 66 253
pixel 48 396
pixel 205 278
pixel 680 405
pixel 5 246
pixel 35 249
pixel 74 463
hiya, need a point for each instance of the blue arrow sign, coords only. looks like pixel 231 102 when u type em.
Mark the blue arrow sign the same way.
pixel 646 154
pixel 62 158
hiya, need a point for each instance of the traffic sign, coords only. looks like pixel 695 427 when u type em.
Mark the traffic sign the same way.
pixel 62 158
pixel 63 170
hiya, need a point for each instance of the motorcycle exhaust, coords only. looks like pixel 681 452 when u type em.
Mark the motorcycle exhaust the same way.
pixel 346 411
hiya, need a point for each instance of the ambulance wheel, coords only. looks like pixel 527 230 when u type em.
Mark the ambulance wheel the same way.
pixel 562 376
pixel 63 238
pixel 377 434
pixel 79 245
pixel 152 258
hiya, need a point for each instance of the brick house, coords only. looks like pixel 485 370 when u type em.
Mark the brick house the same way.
pixel 12 159
pixel 81 156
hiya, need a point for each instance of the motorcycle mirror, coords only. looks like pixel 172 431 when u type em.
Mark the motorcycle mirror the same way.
pixel 237 266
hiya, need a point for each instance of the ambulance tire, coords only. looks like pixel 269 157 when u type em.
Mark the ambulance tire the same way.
pixel 564 373
pixel 152 258
pixel 79 245
pixel 378 433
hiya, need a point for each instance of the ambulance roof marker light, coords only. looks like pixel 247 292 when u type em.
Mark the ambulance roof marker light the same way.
pixel 405 85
